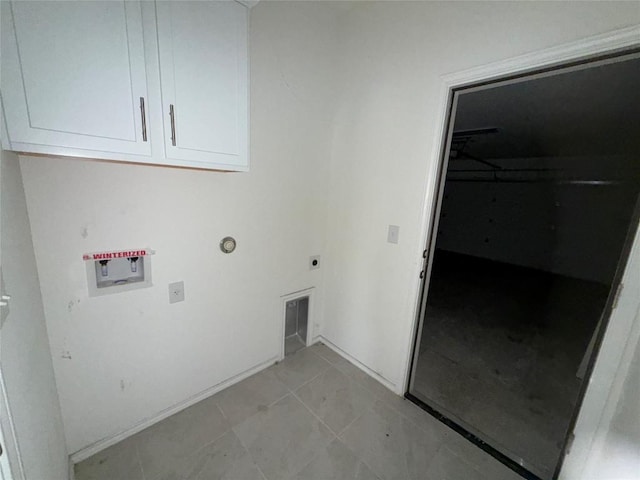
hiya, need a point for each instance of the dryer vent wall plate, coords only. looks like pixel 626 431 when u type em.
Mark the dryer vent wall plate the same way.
pixel 228 244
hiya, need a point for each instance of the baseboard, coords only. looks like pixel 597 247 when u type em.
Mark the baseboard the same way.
pixel 376 376
pixel 72 472
pixel 107 442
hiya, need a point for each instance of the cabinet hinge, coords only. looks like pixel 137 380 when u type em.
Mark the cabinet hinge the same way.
pixel 617 296
pixel 572 437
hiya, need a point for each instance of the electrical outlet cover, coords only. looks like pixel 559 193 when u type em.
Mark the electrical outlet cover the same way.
pixel 314 262
pixel 393 234
pixel 176 292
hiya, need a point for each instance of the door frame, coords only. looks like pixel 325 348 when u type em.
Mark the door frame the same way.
pixel 11 464
pixel 585 52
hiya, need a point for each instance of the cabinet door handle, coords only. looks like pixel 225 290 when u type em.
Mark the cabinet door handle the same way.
pixel 173 125
pixel 143 113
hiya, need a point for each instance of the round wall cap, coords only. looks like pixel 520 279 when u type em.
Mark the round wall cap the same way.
pixel 228 244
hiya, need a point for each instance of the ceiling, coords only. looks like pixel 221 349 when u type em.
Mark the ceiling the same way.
pixel 593 112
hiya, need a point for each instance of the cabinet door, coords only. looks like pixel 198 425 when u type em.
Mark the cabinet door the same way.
pixel 73 74
pixel 203 71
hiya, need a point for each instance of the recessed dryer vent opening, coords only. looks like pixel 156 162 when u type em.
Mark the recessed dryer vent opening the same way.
pixel 296 322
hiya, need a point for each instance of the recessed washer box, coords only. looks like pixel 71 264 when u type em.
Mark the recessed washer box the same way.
pixel 118 271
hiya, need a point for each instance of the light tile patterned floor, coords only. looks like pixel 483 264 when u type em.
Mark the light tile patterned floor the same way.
pixel 313 416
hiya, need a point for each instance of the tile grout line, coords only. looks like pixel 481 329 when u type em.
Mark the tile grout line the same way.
pixel 355 379
pixel 355 454
pixel 323 423
pixel 344 360
pixel 339 435
pixel 144 477
pixel 351 377
pixel 323 357
pixel 250 456
pixel 231 427
pixel 193 453
pixel 294 393
pixel 335 436
pixel 224 415
pixel 251 416
pixel 268 405
pixel 291 392
pixel 259 469
pixel 314 414
pixel 271 404
pixel 379 397
pixel 329 365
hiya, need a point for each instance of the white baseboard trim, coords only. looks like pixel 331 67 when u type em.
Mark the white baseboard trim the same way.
pixel 107 442
pixel 376 376
pixel 72 472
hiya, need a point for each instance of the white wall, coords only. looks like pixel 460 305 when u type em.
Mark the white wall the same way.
pixel 133 355
pixel 331 168
pixel 572 230
pixel 24 348
pixel 392 61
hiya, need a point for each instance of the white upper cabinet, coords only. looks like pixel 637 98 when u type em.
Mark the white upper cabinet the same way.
pixel 163 83
pixel 203 72
pixel 73 76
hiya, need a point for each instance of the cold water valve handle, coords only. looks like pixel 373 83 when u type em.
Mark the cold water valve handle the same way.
pixel 134 263
pixel 103 268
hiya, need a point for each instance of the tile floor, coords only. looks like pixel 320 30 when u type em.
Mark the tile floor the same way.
pixel 500 350
pixel 292 344
pixel 313 416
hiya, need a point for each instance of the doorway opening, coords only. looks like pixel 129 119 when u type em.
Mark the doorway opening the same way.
pixel 540 180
